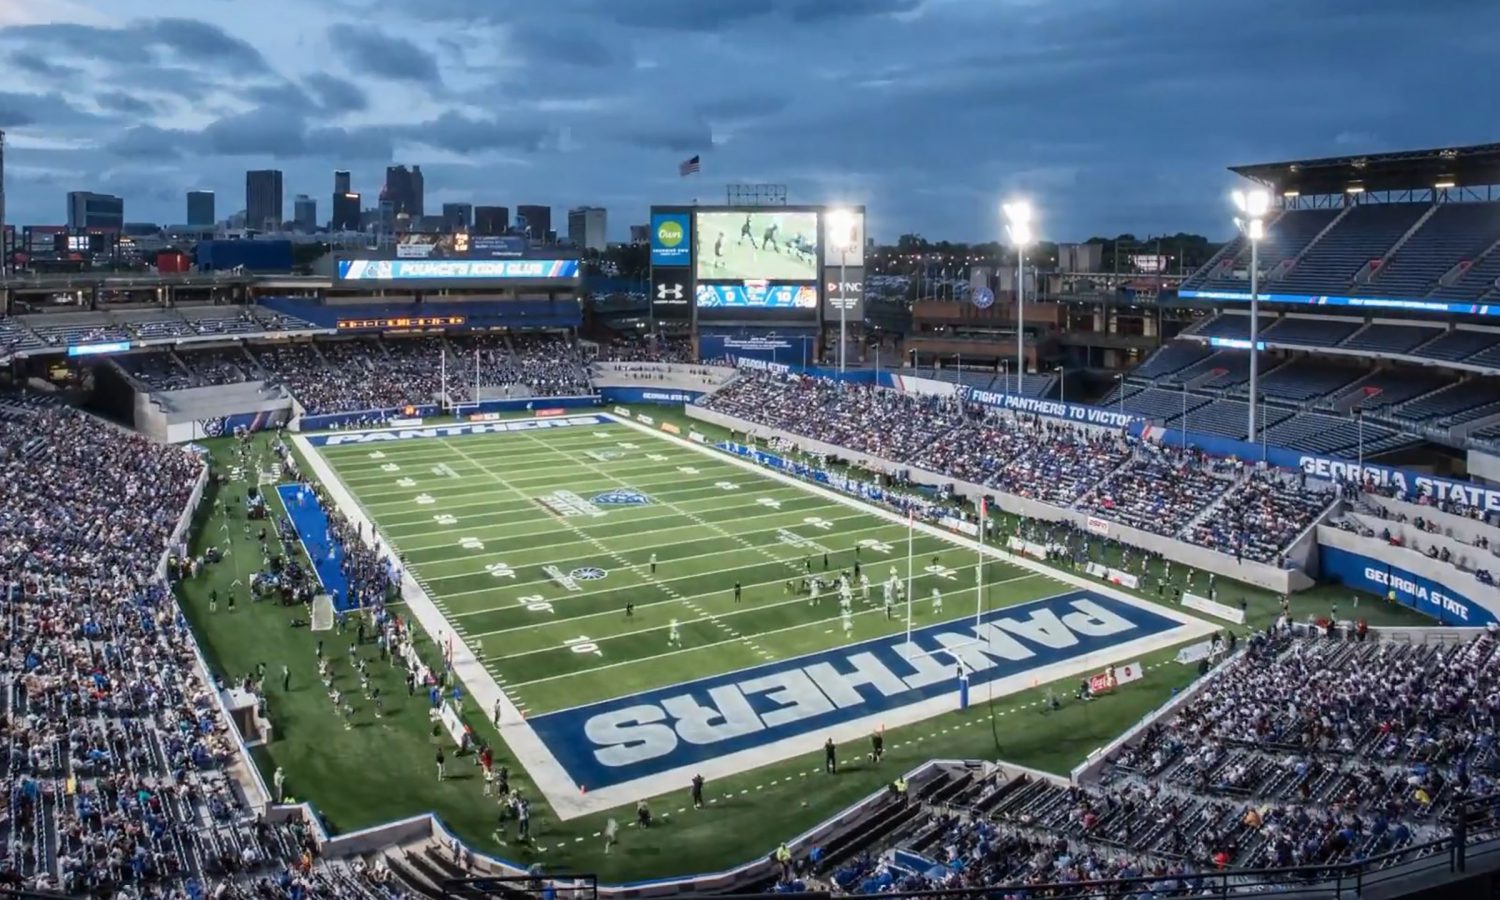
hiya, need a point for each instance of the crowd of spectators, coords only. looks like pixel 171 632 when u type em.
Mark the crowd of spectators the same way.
pixel 1262 514
pixel 651 348
pixel 1162 489
pixel 119 765
pixel 1300 752
pixel 1425 533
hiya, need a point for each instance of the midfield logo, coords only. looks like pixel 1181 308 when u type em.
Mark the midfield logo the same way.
pixel 621 497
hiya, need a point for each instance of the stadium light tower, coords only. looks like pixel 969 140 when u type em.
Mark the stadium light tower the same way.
pixel 1018 228
pixel 841 232
pixel 1253 206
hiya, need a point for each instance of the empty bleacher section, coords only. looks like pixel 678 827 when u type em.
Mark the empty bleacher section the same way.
pixel 1286 237
pixel 1367 232
pixel 1312 331
pixel 1453 233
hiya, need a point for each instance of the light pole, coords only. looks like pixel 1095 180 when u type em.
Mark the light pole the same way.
pixel 1018 227
pixel 1120 377
pixel 1062 385
pixel 1253 205
pixel 841 232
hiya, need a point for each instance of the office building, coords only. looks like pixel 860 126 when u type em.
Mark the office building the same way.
pixel 640 234
pixel 491 219
pixel 305 214
pixel 534 221
pixel 200 209
pixel 345 212
pixel 89 210
pixel 342 183
pixel 405 191
pixel 263 198
pixel 458 216
pixel 586 228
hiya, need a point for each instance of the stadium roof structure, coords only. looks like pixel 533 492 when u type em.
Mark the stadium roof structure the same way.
pixel 1409 170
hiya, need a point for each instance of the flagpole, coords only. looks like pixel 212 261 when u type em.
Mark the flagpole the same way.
pixel 443 372
pixel 910 529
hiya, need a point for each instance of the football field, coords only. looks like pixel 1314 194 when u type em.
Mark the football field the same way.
pixel 596 564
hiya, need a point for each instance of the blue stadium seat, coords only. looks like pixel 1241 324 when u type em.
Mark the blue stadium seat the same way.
pixel 1384 337
pixel 1457 344
pixel 1169 358
pixel 1286 236
pixel 1455 232
pixel 1315 332
pixel 1367 232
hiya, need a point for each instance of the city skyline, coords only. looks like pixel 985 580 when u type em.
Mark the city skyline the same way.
pixel 1111 117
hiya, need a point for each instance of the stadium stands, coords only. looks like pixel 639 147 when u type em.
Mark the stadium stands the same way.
pixel 1366 232
pixel 1454 232
pixel 1286 236
pixel 1157 488
pixel 1254 772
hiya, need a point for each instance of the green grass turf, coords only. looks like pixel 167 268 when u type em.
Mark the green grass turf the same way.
pixel 382 769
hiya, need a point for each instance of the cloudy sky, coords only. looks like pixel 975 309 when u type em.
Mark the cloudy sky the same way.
pixel 1112 116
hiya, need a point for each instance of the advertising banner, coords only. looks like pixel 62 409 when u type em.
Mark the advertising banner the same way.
pixel 671 239
pixel 460 246
pixel 671 291
pixel 844 292
pixel 453 270
pixel 1422 594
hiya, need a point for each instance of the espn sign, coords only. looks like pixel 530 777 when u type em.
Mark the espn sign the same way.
pixel 843 293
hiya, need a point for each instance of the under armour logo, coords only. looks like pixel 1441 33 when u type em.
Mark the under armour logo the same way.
pixel 670 292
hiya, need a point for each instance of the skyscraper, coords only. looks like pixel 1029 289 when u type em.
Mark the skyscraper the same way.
pixel 405 190
pixel 345 213
pixel 534 220
pixel 341 182
pixel 87 209
pixel 305 213
pixel 457 216
pixel 491 220
pixel 586 228
pixel 200 209
pixel 263 200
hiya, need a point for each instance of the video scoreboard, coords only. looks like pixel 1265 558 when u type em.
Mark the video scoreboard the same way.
pixel 761 265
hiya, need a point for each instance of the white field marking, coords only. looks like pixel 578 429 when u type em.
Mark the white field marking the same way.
pixel 427 563
pixel 660 582
pixel 674 493
pixel 704 617
pixel 808 624
pixel 379 497
pixel 639 570
pixel 528 527
pixel 635 535
pixel 530 751
pixel 711 526
pixel 486 453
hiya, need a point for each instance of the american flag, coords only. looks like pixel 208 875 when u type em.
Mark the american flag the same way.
pixel 689 166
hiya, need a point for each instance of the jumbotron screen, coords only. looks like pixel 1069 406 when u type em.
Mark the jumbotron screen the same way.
pixel 737 245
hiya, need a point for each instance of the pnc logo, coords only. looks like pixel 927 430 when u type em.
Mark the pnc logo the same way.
pixel 669 233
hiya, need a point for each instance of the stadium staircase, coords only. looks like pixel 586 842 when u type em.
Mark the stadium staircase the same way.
pixel 1376 266
pixel 1473 279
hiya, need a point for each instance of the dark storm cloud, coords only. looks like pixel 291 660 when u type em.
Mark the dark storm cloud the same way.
pixel 19 110
pixel 125 103
pixel 459 133
pixel 567 46
pixel 368 51
pixel 335 94
pixel 184 39
pixel 147 142
pixel 35 64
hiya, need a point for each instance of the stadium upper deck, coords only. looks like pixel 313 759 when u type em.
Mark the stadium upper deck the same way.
pixel 1417 230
